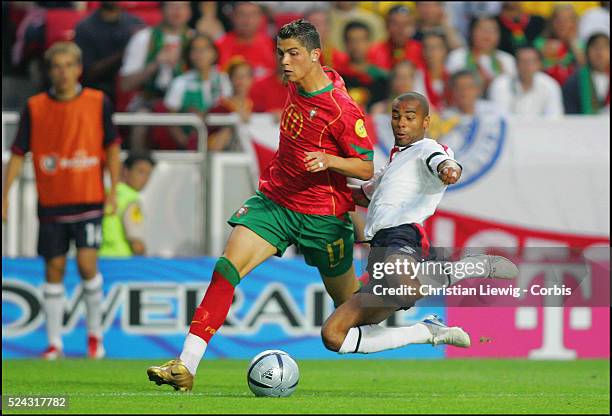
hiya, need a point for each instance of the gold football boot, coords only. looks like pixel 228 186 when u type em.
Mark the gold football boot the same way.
pixel 173 373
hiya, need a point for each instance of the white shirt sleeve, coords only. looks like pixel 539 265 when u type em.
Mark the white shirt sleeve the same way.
pixel 135 55
pixel 555 100
pixel 508 62
pixel 435 154
pixel 369 187
pixel 226 86
pixel 174 96
pixel 456 60
pixel 133 222
pixel 500 94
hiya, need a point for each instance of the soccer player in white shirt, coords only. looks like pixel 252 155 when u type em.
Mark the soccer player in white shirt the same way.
pixel 400 197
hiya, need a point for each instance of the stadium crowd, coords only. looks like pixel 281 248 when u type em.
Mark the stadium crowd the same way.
pixel 534 58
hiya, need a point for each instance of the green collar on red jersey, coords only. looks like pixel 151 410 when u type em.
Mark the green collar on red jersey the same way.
pixel 312 94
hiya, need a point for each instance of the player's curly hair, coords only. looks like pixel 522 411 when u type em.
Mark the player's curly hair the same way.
pixel 302 30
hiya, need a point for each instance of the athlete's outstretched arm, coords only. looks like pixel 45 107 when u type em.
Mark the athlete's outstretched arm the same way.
pixel 449 172
pixel 352 167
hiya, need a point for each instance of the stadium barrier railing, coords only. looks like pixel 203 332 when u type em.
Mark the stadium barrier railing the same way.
pixel 180 209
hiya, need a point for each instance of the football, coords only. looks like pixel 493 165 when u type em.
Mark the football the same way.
pixel 273 373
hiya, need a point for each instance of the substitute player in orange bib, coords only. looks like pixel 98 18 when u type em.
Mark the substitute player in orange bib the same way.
pixel 71 136
pixel 303 197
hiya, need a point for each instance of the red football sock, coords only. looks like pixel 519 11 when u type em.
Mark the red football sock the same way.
pixel 211 313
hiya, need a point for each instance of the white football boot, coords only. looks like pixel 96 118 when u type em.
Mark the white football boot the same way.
pixel 442 334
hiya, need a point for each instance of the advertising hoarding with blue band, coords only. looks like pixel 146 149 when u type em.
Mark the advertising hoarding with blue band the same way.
pixel 148 304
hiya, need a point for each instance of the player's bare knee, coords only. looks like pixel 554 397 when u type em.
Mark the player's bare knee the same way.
pixel 87 271
pixel 333 335
pixel 55 269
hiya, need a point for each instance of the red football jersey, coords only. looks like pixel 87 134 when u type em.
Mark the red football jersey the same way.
pixel 260 53
pixel 385 56
pixel 328 121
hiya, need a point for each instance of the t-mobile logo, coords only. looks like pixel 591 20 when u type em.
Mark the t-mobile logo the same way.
pixel 552 321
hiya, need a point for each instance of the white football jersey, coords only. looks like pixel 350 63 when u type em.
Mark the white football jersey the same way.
pixel 407 190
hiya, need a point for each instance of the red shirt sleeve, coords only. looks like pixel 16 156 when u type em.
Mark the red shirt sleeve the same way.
pixel 350 132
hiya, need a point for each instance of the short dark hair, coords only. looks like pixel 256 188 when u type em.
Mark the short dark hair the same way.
pixel 235 63
pixel 410 96
pixel 399 8
pixel 528 48
pixel 464 73
pixel 475 21
pixel 592 38
pixel 356 24
pixel 436 33
pixel 187 50
pixel 302 30
pixel 138 156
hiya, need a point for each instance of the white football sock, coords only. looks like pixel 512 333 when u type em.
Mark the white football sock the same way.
pixel 54 309
pixel 374 338
pixel 193 351
pixel 92 290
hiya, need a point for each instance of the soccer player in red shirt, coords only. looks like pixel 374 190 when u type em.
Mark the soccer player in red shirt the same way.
pixel 399 47
pixel 303 198
pixel 247 41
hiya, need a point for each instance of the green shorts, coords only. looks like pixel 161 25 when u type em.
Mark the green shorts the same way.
pixel 325 240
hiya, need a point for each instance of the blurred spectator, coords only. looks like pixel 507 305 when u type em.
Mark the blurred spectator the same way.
pixel 123 232
pixel 399 46
pixel 560 45
pixel 103 36
pixel 482 55
pixel 241 76
pixel 247 41
pixel 198 89
pixel 517 28
pixel 546 8
pixel 269 94
pixel 401 80
pixel 33 37
pixel 205 19
pixel 530 92
pixel 330 54
pixel 366 83
pixel 595 20
pixel 587 91
pixel 469 124
pixel 343 12
pixel 461 13
pixel 432 16
pixel 433 78
pixel 153 57
pixel 294 7
pixel 466 90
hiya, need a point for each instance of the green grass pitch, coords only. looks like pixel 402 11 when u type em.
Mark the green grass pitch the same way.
pixel 342 386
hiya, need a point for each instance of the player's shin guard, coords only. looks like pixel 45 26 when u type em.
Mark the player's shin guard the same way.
pixel 374 338
pixel 211 313
pixel 93 302
pixel 54 309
